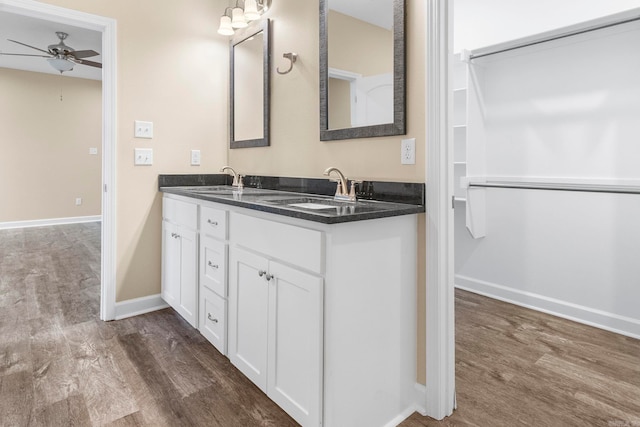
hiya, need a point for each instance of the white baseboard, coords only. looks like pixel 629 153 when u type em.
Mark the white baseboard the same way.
pixel 421 399
pixel 401 417
pixel 48 222
pixel 589 316
pixel 137 306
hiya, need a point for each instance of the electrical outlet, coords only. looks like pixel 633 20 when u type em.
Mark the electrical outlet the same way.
pixel 93 151
pixel 195 157
pixel 143 156
pixel 78 201
pixel 143 129
pixel 408 151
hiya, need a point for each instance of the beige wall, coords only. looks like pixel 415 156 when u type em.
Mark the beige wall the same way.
pixel 173 70
pixel 45 160
pixel 296 149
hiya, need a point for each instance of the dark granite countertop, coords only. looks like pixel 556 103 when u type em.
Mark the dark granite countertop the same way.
pixel 301 198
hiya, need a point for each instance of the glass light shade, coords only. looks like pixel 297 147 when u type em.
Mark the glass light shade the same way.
pixel 61 64
pixel 251 10
pixel 238 20
pixel 225 26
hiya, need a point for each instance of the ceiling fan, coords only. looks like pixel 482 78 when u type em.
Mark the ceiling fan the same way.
pixel 60 56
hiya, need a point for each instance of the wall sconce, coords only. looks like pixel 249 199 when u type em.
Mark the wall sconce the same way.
pixel 241 16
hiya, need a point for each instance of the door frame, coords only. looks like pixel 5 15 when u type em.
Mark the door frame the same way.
pixel 440 332
pixel 107 26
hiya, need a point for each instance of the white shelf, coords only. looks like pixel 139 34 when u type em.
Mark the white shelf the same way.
pixel 460 199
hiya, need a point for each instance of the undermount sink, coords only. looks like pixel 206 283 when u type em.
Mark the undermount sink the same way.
pixel 312 202
pixel 224 189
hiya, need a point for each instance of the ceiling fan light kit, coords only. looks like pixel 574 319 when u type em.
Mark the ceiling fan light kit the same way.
pixel 239 17
pixel 61 64
pixel 60 56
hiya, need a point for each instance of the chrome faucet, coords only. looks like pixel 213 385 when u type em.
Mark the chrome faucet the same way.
pixel 342 191
pixel 237 178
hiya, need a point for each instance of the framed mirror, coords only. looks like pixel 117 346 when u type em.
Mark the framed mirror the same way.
pixel 362 69
pixel 250 86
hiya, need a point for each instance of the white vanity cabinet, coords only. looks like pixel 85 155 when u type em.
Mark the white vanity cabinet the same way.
pixel 321 317
pixel 180 257
pixel 276 314
pixel 213 275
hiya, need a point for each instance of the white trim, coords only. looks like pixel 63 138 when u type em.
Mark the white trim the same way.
pixel 108 28
pixel 137 306
pixel 589 316
pixel 337 73
pixel 49 221
pixel 420 396
pixel 398 419
pixel 440 339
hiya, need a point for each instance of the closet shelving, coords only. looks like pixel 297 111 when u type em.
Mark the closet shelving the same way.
pixel 460 96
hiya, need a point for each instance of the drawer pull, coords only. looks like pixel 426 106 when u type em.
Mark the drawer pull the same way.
pixel 175 235
pixel 212 265
pixel 210 317
pixel 214 223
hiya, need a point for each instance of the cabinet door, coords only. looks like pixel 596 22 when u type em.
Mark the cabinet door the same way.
pixel 295 343
pixel 248 299
pixel 188 306
pixel 170 264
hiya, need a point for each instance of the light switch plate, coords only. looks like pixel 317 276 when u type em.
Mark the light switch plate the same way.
pixel 93 151
pixel 143 129
pixel 408 151
pixel 195 157
pixel 143 156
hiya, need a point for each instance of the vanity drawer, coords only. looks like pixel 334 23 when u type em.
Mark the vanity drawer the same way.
pixel 213 317
pixel 296 245
pixel 179 212
pixel 213 265
pixel 213 222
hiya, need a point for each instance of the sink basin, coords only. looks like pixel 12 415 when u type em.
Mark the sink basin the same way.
pixel 224 189
pixel 312 202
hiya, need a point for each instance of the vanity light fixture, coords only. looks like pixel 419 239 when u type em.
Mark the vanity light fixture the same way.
pixel 225 24
pixel 239 17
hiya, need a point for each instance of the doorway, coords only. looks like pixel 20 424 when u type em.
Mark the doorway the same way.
pixel 107 27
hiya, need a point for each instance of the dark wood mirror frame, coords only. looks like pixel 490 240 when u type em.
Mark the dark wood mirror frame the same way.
pixel 398 127
pixel 239 37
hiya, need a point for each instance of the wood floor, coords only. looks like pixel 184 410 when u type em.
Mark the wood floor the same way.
pixel 61 366
pixel 516 366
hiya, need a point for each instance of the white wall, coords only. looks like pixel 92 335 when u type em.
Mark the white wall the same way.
pixel 480 23
pixel 563 110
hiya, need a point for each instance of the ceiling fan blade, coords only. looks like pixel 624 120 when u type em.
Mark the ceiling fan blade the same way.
pixel 24 54
pixel 79 54
pixel 32 47
pixel 89 63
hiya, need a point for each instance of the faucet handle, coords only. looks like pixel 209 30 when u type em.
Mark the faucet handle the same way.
pixel 352 193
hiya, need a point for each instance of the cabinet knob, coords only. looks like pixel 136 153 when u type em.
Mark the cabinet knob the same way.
pixel 269 277
pixel 212 265
pixel 261 273
pixel 210 317
pixel 175 235
pixel 214 223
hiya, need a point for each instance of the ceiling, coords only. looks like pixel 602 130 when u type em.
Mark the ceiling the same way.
pixel 40 33
pixel 376 12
